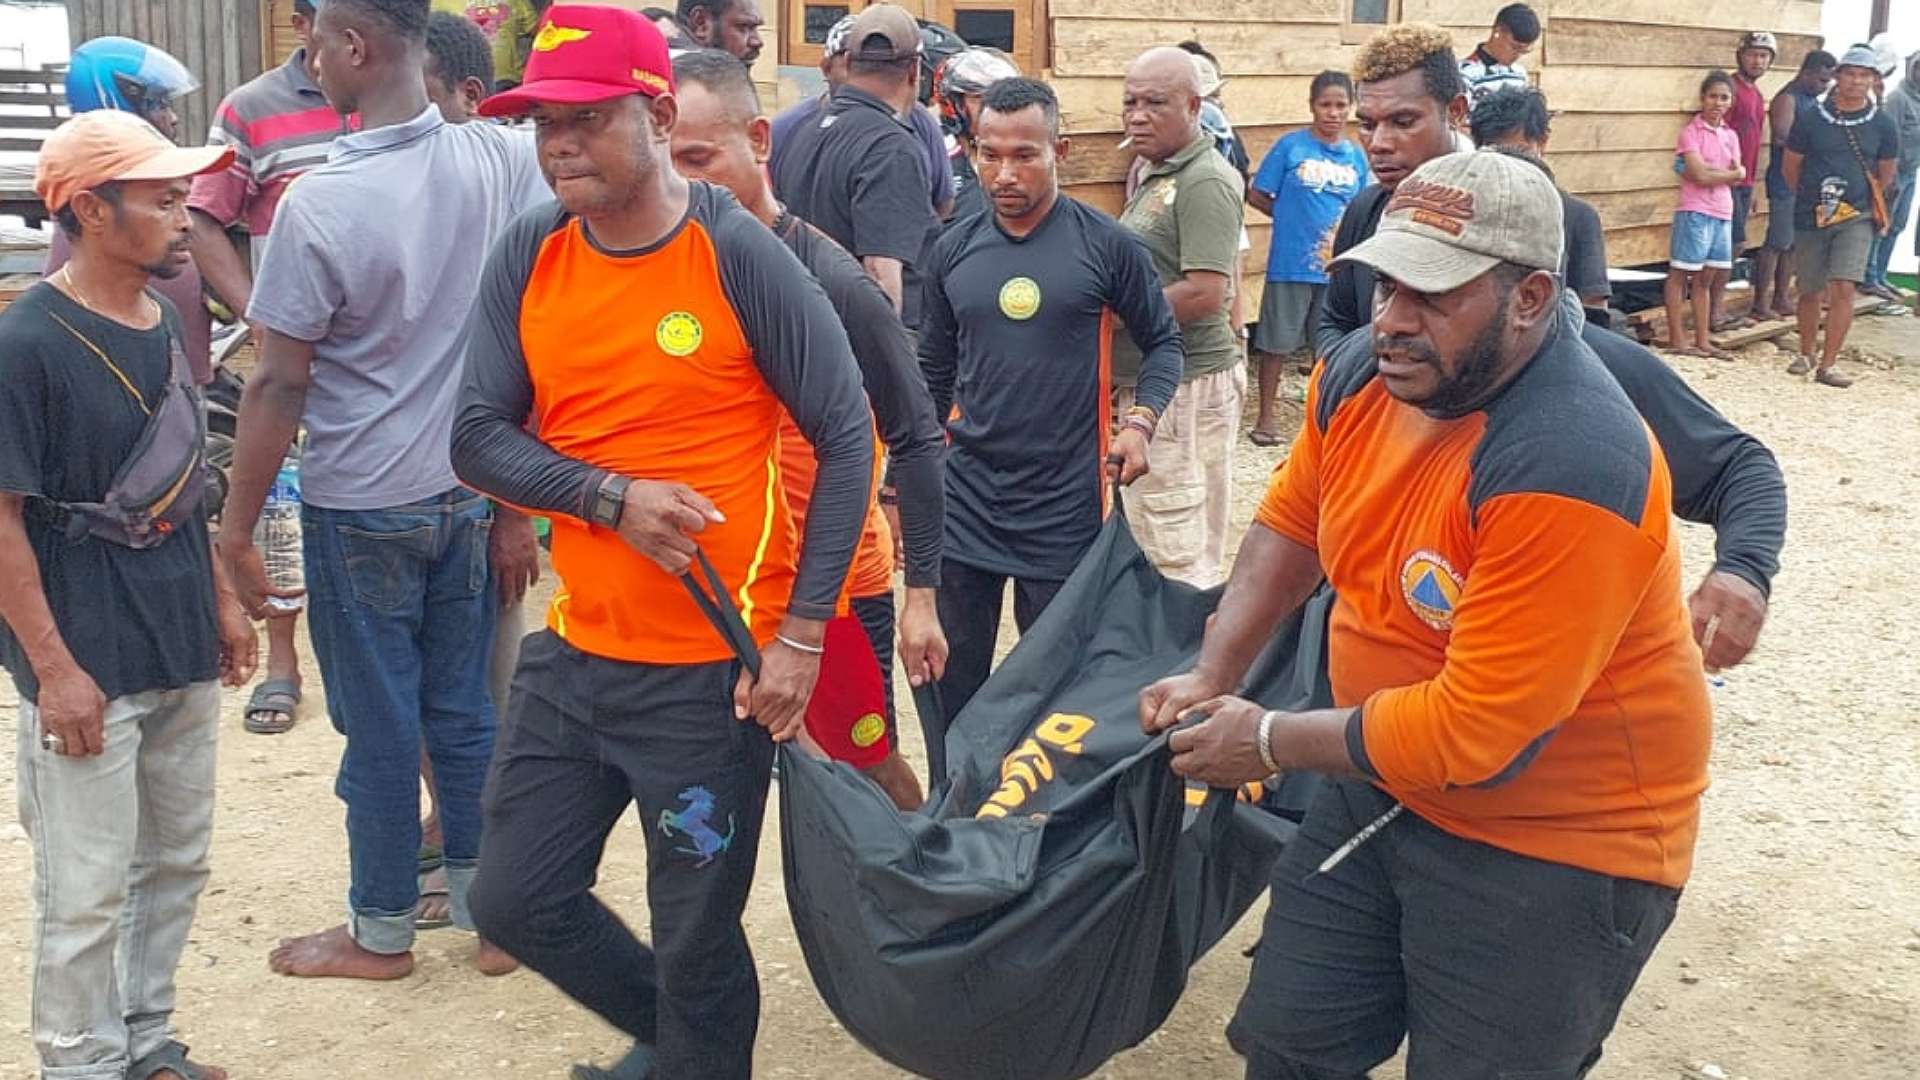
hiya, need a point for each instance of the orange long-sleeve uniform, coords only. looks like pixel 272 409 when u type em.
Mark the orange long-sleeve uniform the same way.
pixel 1510 620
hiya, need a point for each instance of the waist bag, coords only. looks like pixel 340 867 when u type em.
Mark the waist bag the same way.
pixel 162 483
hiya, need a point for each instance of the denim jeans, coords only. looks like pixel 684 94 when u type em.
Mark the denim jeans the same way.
pixel 119 859
pixel 403 607
pixel 1882 256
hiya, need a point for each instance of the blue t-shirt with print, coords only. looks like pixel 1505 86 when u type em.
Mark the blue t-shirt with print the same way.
pixel 1311 184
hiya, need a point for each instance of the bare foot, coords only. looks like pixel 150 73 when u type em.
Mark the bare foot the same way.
pixel 491 959
pixel 333 954
pixel 209 1072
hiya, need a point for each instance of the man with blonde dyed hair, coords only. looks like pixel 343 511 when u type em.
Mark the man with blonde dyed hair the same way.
pixel 1411 101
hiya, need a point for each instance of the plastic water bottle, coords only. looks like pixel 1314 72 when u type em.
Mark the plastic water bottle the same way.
pixel 278 536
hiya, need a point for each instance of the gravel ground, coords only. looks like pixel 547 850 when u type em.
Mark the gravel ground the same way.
pixel 1796 953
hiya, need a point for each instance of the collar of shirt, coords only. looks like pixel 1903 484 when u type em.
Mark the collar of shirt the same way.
pixel 852 97
pixel 390 136
pixel 299 75
pixel 1202 144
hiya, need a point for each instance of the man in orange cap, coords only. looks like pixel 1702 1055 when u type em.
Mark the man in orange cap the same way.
pixel 114 620
pixel 632 352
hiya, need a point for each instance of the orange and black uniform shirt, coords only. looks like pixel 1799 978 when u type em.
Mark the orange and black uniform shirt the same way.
pixel 1510 622
pixel 670 363
pixel 902 412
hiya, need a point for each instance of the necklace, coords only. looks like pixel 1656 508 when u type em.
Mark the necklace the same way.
pixel 73 287
pixel 1872 110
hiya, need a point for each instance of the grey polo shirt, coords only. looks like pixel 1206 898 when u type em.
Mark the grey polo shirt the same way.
pixel 375 258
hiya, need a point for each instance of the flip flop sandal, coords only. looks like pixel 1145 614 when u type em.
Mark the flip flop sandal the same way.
pixel 173 1056
pixel 1720 354
pixel 274 707
pixel 1263 438
pixel 438 922
pixel 1830 377
pixel 637 1065
pixel 1800 366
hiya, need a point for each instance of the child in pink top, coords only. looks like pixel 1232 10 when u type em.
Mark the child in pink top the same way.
pixel 1702 251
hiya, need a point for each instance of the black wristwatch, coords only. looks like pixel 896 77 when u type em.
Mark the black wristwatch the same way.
pixel 609 499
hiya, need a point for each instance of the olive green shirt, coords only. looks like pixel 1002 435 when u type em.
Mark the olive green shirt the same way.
pixel 1187 211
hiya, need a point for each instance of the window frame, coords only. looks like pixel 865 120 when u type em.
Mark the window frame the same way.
pixel 1357 33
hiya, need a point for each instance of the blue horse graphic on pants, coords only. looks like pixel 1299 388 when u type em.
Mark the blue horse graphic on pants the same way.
pixel 693 820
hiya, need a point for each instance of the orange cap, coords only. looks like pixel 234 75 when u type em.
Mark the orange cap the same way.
pixel 104 145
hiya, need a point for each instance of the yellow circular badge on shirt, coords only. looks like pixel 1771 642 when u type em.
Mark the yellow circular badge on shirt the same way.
pixel 868 730
pixel 678 334
pixel 1019 298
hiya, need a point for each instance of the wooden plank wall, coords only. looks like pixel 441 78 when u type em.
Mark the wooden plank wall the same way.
pixel 1622 75
pixel 218 40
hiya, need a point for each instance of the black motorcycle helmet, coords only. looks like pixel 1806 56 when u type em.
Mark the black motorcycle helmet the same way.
pixel 937 43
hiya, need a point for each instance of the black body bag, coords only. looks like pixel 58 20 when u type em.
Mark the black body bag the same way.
pixel 1042 912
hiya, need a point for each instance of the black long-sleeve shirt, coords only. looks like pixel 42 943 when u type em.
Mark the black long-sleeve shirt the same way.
pixel 902 407
pixel 1014 330
pixel 1722 476
pixel 667 363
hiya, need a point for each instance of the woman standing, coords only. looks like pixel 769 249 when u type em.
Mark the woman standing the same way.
pixel 1304 184
pixel 1709 165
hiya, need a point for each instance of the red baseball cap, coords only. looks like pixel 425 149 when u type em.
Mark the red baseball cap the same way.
pixel 588 52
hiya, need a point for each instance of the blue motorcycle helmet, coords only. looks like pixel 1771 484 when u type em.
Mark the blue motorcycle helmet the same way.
pixel 130 76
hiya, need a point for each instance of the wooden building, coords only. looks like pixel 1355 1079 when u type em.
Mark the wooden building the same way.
pixel 1621 75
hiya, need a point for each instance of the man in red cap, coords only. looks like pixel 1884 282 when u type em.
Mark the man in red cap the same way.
pixel 651 332
pixel 113 626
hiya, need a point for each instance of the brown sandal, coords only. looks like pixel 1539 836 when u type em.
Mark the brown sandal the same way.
pixel 1830 377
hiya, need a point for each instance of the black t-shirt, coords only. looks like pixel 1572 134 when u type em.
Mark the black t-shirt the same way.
pixel 1832 172
pixel 1586 249
pixel 859 174
pixel 135 620
pixel 969 198
pixel 1016 335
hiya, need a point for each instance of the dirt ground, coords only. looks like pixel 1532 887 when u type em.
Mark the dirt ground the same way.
pixel 1796 953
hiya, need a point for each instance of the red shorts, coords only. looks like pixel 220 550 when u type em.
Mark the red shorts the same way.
pixel 848 713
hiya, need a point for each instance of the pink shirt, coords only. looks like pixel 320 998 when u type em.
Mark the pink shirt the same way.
pixel 1718 147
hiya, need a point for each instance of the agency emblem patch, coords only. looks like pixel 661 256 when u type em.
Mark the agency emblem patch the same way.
pixel 868 730
pixel 678 334
pixel 1431 587
pixel 1020 298
pixel 553 35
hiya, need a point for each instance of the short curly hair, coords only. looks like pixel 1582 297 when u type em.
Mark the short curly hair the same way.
pixel 1408 47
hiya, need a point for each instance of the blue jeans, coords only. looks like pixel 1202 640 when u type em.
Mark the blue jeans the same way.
pixel 403 607
pixel 1883 245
